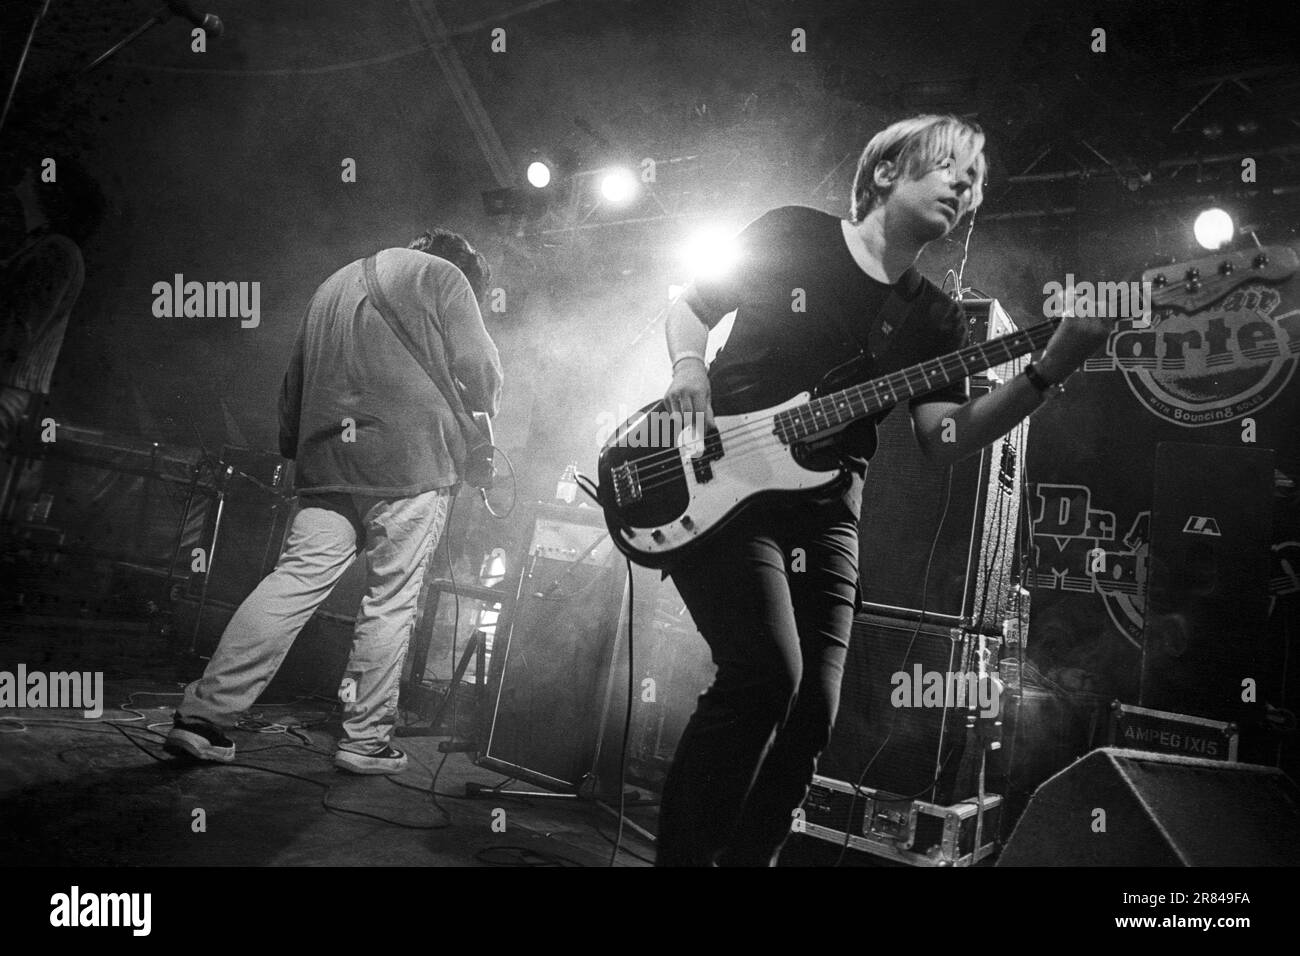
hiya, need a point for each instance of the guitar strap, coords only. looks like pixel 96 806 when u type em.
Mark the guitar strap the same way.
pixel 885 325
pixel 474 436
pixel 881 336
pixel 893 314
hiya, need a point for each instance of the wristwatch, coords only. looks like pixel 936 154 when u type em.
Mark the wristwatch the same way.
pixel 1045 388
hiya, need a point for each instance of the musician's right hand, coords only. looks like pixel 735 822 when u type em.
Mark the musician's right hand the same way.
pixel 688 395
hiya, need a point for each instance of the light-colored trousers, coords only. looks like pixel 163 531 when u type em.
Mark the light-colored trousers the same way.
pixel 397 536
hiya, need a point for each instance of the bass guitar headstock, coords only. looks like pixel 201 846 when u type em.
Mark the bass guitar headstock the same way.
pixel 1191 286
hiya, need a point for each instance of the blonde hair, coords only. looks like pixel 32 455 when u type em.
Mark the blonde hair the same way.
pixel 915 146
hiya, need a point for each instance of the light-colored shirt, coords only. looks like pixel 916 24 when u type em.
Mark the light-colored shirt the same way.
pixel 357 411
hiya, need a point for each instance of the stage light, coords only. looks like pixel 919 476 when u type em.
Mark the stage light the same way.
pixel 1213 229
pixel 711 253
pixel 539 174
pixel 618 185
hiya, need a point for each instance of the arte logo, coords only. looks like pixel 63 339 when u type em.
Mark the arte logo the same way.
pixel 1212 366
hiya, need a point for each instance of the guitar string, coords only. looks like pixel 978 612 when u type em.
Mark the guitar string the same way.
pixel 747 437
pixel 952 363
pixel 757 429
pixel 665 473
pixel 742 439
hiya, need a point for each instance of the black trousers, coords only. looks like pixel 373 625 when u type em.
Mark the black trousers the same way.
pixel 773 595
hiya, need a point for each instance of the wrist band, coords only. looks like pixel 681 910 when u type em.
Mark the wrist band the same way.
pixel 1044 387
pixel 687 355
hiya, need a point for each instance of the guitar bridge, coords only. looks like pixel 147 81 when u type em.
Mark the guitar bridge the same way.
pixel 627 484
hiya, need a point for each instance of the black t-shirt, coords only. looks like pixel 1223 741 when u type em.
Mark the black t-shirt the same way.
pixel 804 307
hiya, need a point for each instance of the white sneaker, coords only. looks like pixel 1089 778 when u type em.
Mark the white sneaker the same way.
pixel 200 740
pixel 386 760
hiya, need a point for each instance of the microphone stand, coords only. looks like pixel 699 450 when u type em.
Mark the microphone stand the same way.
pixel 161 15
pixel 22 61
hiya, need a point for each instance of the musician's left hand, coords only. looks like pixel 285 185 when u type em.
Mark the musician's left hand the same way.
pixel 1074 340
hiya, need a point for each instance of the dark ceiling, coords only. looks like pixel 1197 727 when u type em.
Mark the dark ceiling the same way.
pixel 1178 81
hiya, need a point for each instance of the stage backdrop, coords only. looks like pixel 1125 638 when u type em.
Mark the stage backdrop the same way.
pixel 1222 374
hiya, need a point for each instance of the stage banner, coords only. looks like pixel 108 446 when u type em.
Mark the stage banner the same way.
pixel 1214 362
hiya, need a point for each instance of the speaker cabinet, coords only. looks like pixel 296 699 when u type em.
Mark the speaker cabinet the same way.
pixel 909 751
pixel 960 526
pixel 1207 601
pixel 548 677
pixel 1128 808
pixel 672 667
pixel 255 515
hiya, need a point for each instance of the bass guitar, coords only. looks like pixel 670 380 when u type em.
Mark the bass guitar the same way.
pixel 664 490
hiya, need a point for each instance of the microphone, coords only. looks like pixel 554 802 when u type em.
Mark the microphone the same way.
pixel 208 21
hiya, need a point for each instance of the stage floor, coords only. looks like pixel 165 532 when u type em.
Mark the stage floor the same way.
pixel 77 791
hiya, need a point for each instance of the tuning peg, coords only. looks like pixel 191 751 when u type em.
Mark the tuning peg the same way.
pixel 1260 261
pixel 1225 268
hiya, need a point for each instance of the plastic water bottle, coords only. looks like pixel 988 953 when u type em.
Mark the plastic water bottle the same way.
pixel 567 488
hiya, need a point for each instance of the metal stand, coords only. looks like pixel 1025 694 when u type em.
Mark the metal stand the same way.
pixel 478 790
pixel 212 553
pixel 190 494
pixel 475 649
pixel 628 822
pixel 18 454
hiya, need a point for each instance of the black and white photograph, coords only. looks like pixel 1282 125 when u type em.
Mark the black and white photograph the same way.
pixel 847 436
